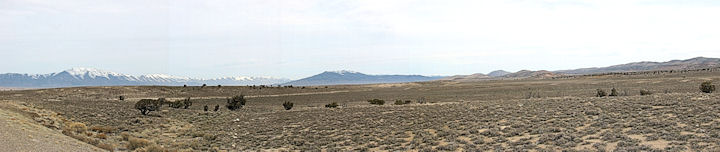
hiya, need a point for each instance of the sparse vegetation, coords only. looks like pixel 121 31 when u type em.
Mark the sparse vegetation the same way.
pixel 377 102
pixel 135 143
pixel 288 105
pixel 235 103
pixel 707 87
pixel 332 105
pixel 121 98
pixel 600 93
pixel 645 92
pixel 493 117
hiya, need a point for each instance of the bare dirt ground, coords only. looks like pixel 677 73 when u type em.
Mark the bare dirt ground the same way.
pixel 497 115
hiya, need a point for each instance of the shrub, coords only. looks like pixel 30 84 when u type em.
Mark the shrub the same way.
pixel 377 102
pixel 400 102
pixel 331 105
pixel 219 86
pixel 707 87
pixel 77 127
pixel 204 85
pixel 206 108
pixel 147 105
pixel 187 102
pixel 184 85
pixel 134 143
pixel 613 92
pixel 176 104
pixel 102 129
pixel 217 107
pixel 236 102
pixel 600 93
pixel 645 92
pixel 122 97
pixel 288 105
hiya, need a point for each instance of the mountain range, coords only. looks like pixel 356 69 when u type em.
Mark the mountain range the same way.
pixel 94 77
pixel 693 63
pixel 352 77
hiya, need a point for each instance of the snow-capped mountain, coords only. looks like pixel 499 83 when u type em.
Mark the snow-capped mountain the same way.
pixel 351 77
pixel 94 77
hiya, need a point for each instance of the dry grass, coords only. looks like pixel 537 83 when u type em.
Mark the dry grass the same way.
pixel 152 148
pixel 107 147
pixel 125 136
pixel 134 143
pixel 101 136
pixel 76 127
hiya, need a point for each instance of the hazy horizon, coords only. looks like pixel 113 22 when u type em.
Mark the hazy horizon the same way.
pixel 296 39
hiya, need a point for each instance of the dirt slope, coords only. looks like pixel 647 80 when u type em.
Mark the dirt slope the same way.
pixel 20 133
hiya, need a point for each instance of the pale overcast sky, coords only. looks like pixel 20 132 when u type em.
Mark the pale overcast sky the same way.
pixel 299 38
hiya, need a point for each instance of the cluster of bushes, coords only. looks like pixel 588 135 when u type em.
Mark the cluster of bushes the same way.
pixel 147 105
pixel 331 105
pixel 236 102
pixel 377 102
pixel 400 102
pixel 706 87
pixel 185 103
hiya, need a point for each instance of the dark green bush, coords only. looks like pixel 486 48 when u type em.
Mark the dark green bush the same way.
pixel 147 105
pixel 707 87
pixel 645 92
pixel 236 102
pixel 613 92
pixel 377 102
pixel 187 103
pixel 288 105
pixel 176 104
pixel 600 93
pixel 331 105
pixel 400 102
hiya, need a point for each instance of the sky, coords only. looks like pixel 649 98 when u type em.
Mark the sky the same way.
pixel 299 38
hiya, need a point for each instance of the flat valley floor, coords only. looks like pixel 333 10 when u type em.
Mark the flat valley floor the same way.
pixel 491 115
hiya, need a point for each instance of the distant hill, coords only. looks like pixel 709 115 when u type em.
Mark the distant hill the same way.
pixel 476 76
pixel 498 73
pixel 531 74
pixel 351 77
pixel 694 63
pixel 94 77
